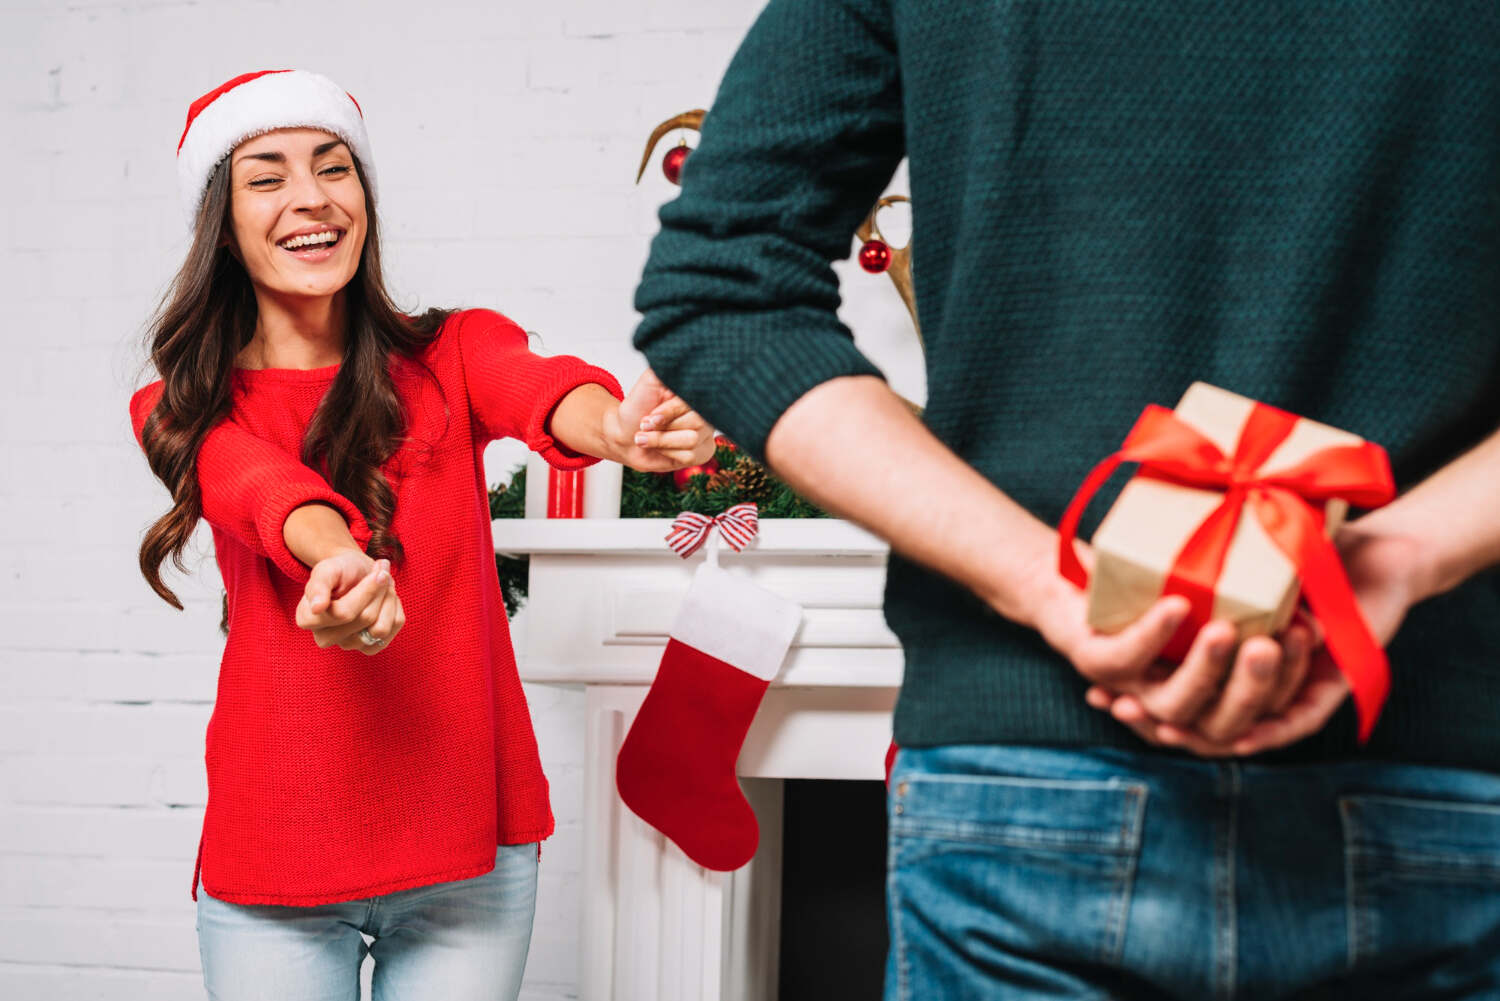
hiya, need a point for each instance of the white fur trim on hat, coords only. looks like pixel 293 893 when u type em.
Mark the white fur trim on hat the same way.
pixel 278 99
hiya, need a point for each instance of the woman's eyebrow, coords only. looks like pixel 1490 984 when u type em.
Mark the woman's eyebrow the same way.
pixel 275 157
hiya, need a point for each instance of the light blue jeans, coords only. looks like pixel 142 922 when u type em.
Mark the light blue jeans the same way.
pixel 1020 872
pixel 459 941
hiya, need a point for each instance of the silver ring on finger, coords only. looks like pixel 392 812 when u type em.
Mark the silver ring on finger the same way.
pixel 368 638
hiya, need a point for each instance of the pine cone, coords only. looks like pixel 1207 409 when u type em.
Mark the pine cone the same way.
pixel 755 482
pixel 723 479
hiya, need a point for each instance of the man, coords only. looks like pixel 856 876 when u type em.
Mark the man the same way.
pixel 1298 201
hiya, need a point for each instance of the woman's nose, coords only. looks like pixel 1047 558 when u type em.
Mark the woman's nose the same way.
pixel 308 193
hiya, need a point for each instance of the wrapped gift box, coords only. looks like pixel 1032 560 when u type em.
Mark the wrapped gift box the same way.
pixel 1140 538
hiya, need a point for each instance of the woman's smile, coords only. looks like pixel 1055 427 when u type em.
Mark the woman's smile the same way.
pixel 313 243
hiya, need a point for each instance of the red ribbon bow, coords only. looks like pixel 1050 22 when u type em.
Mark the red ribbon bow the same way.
pixel 1289 505
pixel 737 526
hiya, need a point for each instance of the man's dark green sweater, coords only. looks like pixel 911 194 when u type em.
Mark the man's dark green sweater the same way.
pixel 1295 200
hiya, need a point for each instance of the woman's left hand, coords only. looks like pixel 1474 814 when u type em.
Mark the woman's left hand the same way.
pixel 656 431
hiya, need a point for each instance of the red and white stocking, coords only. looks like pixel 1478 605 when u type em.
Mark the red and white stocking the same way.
pixel 676 769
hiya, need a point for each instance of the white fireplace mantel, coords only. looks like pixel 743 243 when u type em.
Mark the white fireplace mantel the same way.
pixel 603 595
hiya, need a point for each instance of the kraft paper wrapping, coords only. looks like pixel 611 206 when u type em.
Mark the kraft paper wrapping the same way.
pixel 1151 521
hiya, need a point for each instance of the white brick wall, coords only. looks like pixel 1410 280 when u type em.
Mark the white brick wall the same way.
pixel 507 134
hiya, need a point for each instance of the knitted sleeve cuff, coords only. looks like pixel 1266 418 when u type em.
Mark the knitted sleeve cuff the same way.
pixel 280 502
pixel 569 374
pixel 742 371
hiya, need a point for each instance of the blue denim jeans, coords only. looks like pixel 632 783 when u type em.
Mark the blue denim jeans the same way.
pixel 459 941
pixel 1024 872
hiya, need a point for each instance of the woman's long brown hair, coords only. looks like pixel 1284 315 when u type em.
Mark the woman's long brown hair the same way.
pixel 207 317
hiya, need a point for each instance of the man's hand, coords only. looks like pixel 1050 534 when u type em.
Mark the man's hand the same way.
pixel 1215 685
pixel 1386 572
pixel 347 594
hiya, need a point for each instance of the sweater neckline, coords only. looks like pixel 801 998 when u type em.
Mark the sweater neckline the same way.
pixel 288 375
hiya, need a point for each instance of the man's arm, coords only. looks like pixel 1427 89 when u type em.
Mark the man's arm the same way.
pixel 934 508
pixel 927 502
pixel 1453 516
pixel 739 299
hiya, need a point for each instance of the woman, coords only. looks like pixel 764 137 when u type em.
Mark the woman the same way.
pixel 363 770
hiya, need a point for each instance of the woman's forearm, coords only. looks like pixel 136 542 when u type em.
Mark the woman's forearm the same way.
pixel 585 421
pixel 314 532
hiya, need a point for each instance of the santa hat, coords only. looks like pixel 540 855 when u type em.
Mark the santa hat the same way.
pixel 253 104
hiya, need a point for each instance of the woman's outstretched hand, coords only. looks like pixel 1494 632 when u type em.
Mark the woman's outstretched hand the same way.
pixel 656 431
pixel 350 598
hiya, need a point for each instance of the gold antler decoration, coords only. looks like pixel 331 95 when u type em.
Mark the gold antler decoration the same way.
pixel 687 120
pixel 900 269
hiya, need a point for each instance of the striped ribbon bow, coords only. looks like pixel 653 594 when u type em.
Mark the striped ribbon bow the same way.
pixel 737 526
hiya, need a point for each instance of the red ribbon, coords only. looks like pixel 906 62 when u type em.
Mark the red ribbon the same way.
pixel 1289 505
pixel 737 526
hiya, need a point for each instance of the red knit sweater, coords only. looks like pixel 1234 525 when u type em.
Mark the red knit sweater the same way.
pixel 331 775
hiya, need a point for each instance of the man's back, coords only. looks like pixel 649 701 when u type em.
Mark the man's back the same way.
pixel 1296 201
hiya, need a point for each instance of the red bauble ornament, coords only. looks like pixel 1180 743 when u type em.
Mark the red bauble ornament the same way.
pixel 682 477
pixel 875 256
pixel 671 164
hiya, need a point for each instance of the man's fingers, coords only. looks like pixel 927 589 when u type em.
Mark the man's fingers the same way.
pixel 1296 658
pixel 665 413
pixel 1099 697
pixel 1197 681
pixel 1187 740
pixel 1122 657
pixel 685 439
pixel 1323 693
pixel 1253 683
pixel 1127 710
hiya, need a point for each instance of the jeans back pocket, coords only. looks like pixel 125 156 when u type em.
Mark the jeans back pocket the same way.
pixel 1423 880
pixel 1016 865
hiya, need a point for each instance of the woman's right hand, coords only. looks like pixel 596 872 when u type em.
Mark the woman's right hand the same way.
pixel 346 594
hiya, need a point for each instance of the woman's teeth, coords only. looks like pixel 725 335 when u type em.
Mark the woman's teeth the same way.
pixel 310 240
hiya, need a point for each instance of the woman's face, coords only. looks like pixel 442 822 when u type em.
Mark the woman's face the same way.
pixel 296 212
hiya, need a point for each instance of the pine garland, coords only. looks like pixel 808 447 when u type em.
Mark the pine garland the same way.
pixel 509 501
pixel 654 495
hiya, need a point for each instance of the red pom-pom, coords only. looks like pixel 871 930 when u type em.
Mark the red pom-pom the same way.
pixel 682 477
pixel 875 256
pixel 671 164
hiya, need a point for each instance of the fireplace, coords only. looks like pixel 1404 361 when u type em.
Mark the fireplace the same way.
pixel 657 927
pixel 833 928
